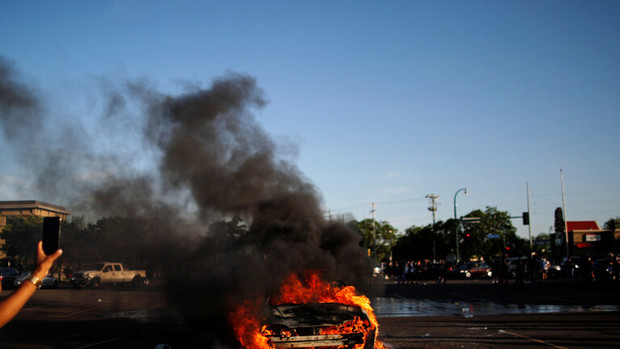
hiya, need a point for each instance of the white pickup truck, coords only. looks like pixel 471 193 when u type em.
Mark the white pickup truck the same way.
pixel 108 273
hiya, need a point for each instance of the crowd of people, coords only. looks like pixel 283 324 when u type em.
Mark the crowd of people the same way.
pixel 585 269
pixel 530 269
pixel 416 272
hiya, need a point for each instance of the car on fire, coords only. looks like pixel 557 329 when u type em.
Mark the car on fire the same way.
pixel 318 325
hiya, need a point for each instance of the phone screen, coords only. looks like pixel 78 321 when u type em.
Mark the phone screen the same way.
pixel 51 234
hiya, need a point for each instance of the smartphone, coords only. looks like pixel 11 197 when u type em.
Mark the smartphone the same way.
pixel 51 234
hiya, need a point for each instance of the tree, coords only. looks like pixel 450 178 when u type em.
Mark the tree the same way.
pixel 377 237
pixel 542 244
pixel 612 224
pixel 20 236
pixel 416 244
pixel 235 228
pixel 428 242
pixel 492 222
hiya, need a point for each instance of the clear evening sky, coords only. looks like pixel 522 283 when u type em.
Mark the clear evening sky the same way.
pixel 385 101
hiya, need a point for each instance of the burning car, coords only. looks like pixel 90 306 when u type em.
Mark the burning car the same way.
pixel 308 313
pixel 315 325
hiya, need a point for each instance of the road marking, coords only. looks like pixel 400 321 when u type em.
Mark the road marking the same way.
pixel 80 311
pixel 102 342
pixel 514 334
pixel 470 297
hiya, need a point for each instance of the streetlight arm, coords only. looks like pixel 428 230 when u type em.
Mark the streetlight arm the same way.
pixel 455 194
pixel 456 232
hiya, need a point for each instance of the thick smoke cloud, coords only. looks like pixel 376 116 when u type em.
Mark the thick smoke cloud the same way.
pixel 211 160
pixel 19 108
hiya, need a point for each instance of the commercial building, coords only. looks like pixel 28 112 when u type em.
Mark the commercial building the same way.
pixel 586 238
pixel 28 208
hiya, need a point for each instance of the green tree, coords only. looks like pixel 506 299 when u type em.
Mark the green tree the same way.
pixel 81 242
pixel 542 244
pixel 612 224
pixel 428 242
pixel 235 228
pixel 20 237
pixel 417 244
pixel 475 241
pixel 377 237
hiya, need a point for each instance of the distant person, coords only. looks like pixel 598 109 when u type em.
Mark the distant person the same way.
pixel 520 273
pixel 531 268
pixel 587 270
pixel 503 272
pixel 570 269
pixel 495 271
pixel 14 302
pixel 545 268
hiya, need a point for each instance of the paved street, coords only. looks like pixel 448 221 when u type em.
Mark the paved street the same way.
pixel 489 316
pixel 473 317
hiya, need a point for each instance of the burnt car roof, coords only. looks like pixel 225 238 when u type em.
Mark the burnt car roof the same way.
pixel 313 314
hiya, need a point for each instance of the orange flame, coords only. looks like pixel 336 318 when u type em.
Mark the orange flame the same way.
pixel 312 289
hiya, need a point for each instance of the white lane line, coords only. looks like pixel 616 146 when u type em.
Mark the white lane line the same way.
pixel 102 342
pixel 514 334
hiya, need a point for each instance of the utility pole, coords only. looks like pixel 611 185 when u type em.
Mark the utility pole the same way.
pixel 529 214
pixel 564 213
pixel 433 208
pixel 374 231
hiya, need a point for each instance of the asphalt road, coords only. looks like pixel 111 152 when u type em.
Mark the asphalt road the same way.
pixel 538 325
pixel 141 318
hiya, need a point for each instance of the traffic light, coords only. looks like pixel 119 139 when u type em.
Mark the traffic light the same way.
pixel 526 218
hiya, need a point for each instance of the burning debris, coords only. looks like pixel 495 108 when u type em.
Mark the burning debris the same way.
pixel 229 216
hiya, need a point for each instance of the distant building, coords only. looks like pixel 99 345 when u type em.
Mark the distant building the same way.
pixel 29 208
pixel 587 238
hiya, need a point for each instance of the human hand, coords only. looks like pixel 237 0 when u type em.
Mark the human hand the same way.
pixel 44 262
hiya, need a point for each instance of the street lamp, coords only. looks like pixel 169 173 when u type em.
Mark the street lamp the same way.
pixel 456 233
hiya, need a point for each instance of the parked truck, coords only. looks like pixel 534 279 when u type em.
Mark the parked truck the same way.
pixel 108 273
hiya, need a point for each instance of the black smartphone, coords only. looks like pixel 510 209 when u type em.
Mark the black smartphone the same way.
pixel 51 234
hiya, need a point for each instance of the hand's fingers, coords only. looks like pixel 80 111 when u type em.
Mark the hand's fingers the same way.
pixel 40 253
pixel 54 255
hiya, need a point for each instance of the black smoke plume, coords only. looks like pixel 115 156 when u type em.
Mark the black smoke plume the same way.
pixel 208 161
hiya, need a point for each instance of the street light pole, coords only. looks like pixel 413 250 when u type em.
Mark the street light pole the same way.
pixel 458 225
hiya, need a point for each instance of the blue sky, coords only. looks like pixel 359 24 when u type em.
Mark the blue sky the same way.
pixel 385 102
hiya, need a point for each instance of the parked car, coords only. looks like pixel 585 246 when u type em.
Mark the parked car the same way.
pixel 47 282
pixel 7 275
pixel 554 271
pixel 513 263
pixel 477 270
pixel 573 269
pixel 108 273
pixel 603 269
pixel 472 270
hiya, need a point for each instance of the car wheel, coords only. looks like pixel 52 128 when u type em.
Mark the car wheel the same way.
pixel 95 283
pixel 137 281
